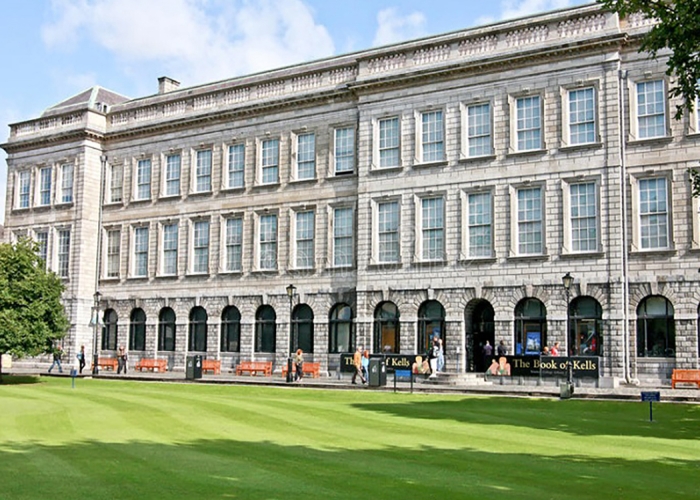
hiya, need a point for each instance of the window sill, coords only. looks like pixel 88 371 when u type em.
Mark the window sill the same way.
pixel 313 180
pixel 429 164
pixel 197 275
pixel 64 204
pixel 477 159
pixel 529 152
pixel 568 148
pixel 581 255
pixel 137 278
pixel 196 194
pixel 264 272
pixel 140 202
pixel 110 279
pixel 429 263
pixel 234 189
pixel 525 258
pixel 383 170
pixel 226 272
pixel 663 140
pixel 267 186
pixel 667 252
pixel 167 197
pixel 341 175
pixel 167 276
pixel 301 270
pixel 477 260
pixel 375 266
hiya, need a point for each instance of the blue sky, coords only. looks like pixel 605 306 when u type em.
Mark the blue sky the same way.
pixel 53 49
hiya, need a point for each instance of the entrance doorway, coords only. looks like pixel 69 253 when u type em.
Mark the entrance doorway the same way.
pixel 480 328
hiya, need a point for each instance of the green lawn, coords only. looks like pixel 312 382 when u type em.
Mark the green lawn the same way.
pixel 135 440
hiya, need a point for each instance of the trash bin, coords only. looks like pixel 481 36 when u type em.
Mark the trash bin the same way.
pixel 193 368
pixel 566 390
pixel 377 372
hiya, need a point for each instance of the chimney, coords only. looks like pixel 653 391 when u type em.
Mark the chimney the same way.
pixel 167 84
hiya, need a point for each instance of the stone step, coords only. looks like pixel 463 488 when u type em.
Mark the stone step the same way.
pixel 453 378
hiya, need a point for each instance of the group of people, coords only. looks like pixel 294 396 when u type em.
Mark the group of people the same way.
pixel 360 360
pixel 553 351
pixel 57 354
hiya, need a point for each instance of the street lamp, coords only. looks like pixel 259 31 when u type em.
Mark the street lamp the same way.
pixel 567 281
pixel 95 326
pixel 291 289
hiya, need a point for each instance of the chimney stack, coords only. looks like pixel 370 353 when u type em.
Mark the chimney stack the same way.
pixel 167 84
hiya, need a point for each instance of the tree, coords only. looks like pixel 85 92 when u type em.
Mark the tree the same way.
pixel 31 313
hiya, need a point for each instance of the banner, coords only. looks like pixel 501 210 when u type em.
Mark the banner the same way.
pixel 393 361
pixel 544 366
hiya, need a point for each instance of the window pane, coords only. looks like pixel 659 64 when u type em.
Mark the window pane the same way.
pixel 141 251
pixel 581 116
pixel 204 171
pixel 67 183
pixel 530 221
pixel 479 130
pixel 234 244
pixel 201 247
pixel 344 150
pixel 432 136
pixel 170 244
pixel 584 217
pixel 236 165
pixel 433 228
pixel 343 254
pixel 529 124
pixel 45 186
pixel 653 212
pixel 113 250
pixel 306 156
pixel 172 175
pixel 388 232
pixel 389 143
pixel 268 242
pixel 63 253
pixel 479 225
pixel 651 109
pixel 270 161
pixel 143 180
pixel 305 240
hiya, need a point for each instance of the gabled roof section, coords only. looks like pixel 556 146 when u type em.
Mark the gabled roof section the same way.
pixel 96 98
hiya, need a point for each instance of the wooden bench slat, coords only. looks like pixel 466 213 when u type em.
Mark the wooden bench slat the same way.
pixel 152 364
pixel 308 368
pixel 211 365
pixel 255 367
pixel 111 363
pixel 685 376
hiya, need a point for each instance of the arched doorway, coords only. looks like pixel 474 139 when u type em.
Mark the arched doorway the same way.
pixel 431 323
pixel 479 319
pixel 530 327
pixel 585 327
pixel 386 328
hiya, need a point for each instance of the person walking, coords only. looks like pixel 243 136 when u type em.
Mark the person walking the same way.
pixel 441 355
pixel 122 358
pixel 357 362
pixel 487 351
pixel 365 364
pixel 81 359
pixel 299 365
pixel 57 355
pixel 502 350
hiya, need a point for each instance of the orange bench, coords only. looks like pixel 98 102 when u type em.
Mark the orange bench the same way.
pixel 685 376
pixel 161 365
pixel 313 369
pixel 111 363
pixel 255 367
pixel 211 365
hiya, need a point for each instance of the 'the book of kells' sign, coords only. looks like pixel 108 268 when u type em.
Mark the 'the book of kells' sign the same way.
pixel 549 366
pixel 393 361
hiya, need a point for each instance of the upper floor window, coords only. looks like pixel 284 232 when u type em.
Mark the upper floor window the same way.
pixel 143 180
pixel 344 150
pixel 113 249
pixel 170 246
pixel 584 217
pixel 116 183
pixel 432 227
pixel 581 116
pixel 200 246
pixel 477 136
pixel 343 254
pixel 63 253
pixel 269 163
pixel 479 225
pixel 304 239
pixel 172 175
pixel 24 182
pixel 651 109
pixel 42 241
pixel 530 233
pixel 388 232
pixel 653 213
pixel 236 166
pixel 67 183
pixel 432 137
pixel 234 244
pixel 203 171
pixel 267 242
pixel 389 142
pixel 528 123
pixel 45 186
pixel 306 156
pixel 140 269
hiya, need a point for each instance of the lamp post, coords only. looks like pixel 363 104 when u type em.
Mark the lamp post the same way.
pixel 96 326
pixel 291 289
pixel 567 280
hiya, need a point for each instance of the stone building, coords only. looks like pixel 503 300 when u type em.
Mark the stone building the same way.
pixel 439 186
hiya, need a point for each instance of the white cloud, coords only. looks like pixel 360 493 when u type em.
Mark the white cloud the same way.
pixel 511 9
pixel 393 27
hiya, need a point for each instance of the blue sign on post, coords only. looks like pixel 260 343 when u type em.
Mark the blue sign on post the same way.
pixel 651 396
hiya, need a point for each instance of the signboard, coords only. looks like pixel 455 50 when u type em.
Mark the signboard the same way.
pixel 651 396
pixel 393 361
pixel 545 366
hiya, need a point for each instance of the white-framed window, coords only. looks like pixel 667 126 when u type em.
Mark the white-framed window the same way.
pixel 45 174
pixel 140 252
pixel 477 138
pixel 24 184
pixel 654 217
pixel 236 166
pixel 269 161
pixel 344 150
pixel 306 156
pixel 431 136
pixel 143 179
pixel 173 169
pixel 116 183
pixel 581 225
pixel 529 218
pixel 387 234
pixel 650 106
pixel 200 247
pixel 203 171
pixel 114 243
pixel 304 231
pixel 388 142
pixel 66 173
pixel 432 228
pixel 267 242
pixel 695 243
pixel 478 225
pixel 234 244
pixel 581 116
pixel 42 240
pixel 527 119
pixel 170 236
pixel 343 237
pixel 63 253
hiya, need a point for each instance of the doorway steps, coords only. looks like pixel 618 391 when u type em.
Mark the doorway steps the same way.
pixel 461 379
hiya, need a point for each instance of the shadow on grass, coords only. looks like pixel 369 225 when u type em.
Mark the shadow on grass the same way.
pixel 20 379
pixel 264 470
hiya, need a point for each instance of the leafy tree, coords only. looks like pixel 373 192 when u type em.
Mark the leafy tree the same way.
pixel 31 313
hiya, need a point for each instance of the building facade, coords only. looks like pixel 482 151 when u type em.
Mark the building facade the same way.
pixel 439 186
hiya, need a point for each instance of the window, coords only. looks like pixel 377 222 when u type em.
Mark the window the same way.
pixel 340 338
pixel 584 217
pixel 197 338
pixel 230 330
pixel 170 245
pixel 143 180
pixel 116 181
pixel 432 137
pixel 23 188
pixel 67 183
pixel 479 237
pixel 268 242
pixel 45 186
pixel 431 323
pixel 651 109
pixel 582 126
pixel 530 327
pixel 478 130
pixel 343 245
pixel 114 237
pixel 306 157
pixel 172 175
pixel 528 123
pixel 236 166
pixel 585 327
pixel 653 213
pixel 265 329
pixel 303 328
pixel 270 157
pixel 344 152
pixel 110 330
pixel 234 244
pixel 656 328
pixel 433 228
pixel 42 241
pixel 304 239
pixel 529 231
pixel 166 330
pixel 200 244
pixel 386 329
pixel 140 269
pixel 63 261
pixel 389 143
pixel 137 330
pixel 203 171
pixel 388 232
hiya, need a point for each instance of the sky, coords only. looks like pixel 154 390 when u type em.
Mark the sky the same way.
pixel 53 49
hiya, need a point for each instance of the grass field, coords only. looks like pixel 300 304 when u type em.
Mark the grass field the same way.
pixel 136 440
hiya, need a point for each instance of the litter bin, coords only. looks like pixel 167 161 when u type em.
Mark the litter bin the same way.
pixel 193 368
pixel 377 372
pixel 566 390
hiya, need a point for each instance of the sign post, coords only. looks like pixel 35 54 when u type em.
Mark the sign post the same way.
pixel 651 396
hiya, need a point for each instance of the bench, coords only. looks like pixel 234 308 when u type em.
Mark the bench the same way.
pixel 255 367
pixel 110 363
pixel 685 376
pixel 313 369
pixel 211 365
pixel 160 365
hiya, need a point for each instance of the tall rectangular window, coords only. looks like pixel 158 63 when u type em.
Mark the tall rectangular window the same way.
pixel 203 171
pixel 584 217
pixel 581 116
pixel 268 242
pixel 140 252
pixel 388 232
pixel 67 183
pixel 114 239
pixel 45 186
pixel 270 161
pixel 24 182
pixel 479 130
pixel 170 246
pixel 116 183
pixel 530 221
pixel 389 143
pixel 306 156
pixel 234 244
pixel 236 166
pixel 651 109
pixel 343 253
pixel 479 225
pixel 172 175
pixel 304 232
pixel 143 180
pixel 528 123
pixel 432 136
pixel 433 228
pixel 201 247
pixel 63 254
pixel 344 152
pixel 42 241
pixel 653 213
